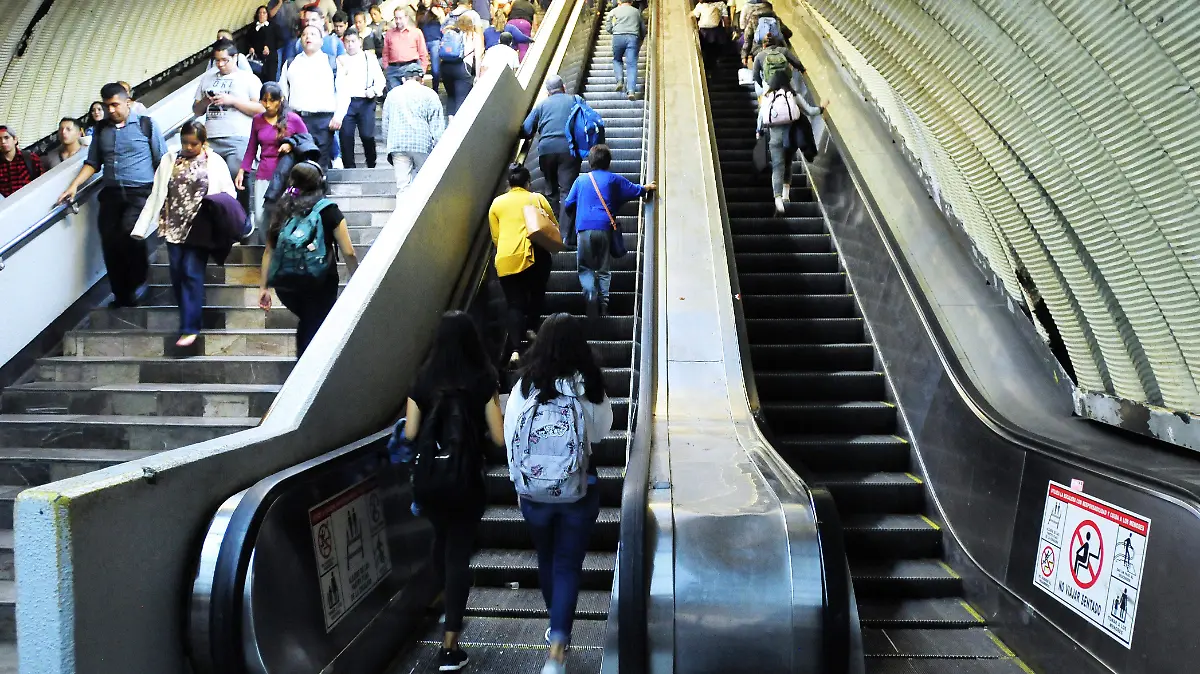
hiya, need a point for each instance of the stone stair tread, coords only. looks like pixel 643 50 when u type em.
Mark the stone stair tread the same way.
pixel 162 359
pixel 66 455
pixel 175 332
pixel 131 420
pixel 145 387
pixel 8 592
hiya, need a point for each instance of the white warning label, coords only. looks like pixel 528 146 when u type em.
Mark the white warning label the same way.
pixel 349 535
pixel 1090 557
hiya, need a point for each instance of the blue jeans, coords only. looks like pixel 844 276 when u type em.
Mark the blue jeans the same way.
pixel 187 279
pixel 595 263
pixel 625 50
pixel 560 533
pixel 435 62
pixel 458 84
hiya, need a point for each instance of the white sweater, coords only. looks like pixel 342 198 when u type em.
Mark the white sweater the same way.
pixel 219 181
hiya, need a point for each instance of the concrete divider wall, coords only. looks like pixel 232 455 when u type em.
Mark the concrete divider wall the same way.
pixel 105 560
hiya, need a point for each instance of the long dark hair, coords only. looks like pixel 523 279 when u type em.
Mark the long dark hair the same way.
pixel 560 352
pixel 275 92
pixel 458 358
pixel 305 187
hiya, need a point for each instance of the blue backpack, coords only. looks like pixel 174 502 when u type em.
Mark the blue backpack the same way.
pixel 301 259
pixel 585 128
pixel 767 25
pixel 452 49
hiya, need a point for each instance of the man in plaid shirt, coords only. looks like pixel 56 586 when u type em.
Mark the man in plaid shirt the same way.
pixel 17 168
pixel 413 122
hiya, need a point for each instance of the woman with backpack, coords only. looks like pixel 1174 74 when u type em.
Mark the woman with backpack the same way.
pixel 301 257
pixel 460 54
pixel 784 116
pixel 456 395
pixel 560 404
pixel 592 201
pixel 774 65
pixel 181 183
pixel 522 265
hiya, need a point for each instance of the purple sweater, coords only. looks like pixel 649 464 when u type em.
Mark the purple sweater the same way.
pixel 264 136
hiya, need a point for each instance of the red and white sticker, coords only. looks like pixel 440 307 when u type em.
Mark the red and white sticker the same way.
pixel 1090 557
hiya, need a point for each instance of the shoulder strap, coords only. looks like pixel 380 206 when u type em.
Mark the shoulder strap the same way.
pixel 29 168
pixel 611 220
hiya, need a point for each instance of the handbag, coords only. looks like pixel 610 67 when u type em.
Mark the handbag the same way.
pixel 616 240
pixel 761 155
pixel 745 77
pixel 540 228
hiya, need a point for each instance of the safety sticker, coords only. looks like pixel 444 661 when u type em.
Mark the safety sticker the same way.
pixel 1090 557
pixel 349 535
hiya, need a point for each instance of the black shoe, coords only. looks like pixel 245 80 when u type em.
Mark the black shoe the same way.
pixel 452 660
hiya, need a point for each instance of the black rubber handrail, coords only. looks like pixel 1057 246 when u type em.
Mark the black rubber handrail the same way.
pixel 633 567
pixel 837 586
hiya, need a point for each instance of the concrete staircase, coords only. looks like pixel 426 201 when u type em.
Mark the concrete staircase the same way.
pixel 119 389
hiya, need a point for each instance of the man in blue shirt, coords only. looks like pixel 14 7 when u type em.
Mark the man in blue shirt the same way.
pixel 594 198
pixel 559 166
pixel 128 147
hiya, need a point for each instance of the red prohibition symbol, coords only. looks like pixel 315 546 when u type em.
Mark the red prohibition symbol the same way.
pixel 1047 561
pixel 1087 554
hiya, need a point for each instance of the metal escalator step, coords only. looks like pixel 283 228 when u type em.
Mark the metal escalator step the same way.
pixel 506 659
pixel 846 452
pixel 890 535
pixel 746 226
pixel 789 261
pixel 812 357
pixel 766 209
pixel 503 527
pixel 796 386
pixel 805 330
pixel 619 304
pixel 517 633
pixel 870 417
pixel 946 612
pixel 789 284
pixel 498 568
pixel 975 642
pixel 780 243
pixel 903 578
pixel 800 306
pixel 875 492
pixel 496 602
pixel 895 665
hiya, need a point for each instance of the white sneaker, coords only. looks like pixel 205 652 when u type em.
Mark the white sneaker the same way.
pixel 779 208
pixel 787 194
pixel 553 666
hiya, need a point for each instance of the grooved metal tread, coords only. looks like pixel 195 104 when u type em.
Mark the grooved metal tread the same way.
pixel 519 633
pixel 971 642
pixel 512 513
pixel 876 522
pixel 897 569
pixel 939 611
pixel 495 659
pixel 528 603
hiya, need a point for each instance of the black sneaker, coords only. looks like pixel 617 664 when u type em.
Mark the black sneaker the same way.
pixel 452 660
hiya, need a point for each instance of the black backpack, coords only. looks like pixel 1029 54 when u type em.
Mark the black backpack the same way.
pixel 448 463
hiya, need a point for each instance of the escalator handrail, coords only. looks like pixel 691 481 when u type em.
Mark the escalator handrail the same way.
pixel 836 584
pixel 632 572
pixel 974 398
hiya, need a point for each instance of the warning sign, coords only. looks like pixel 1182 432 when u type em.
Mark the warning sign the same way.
pixel 350 543
pixel 1102 549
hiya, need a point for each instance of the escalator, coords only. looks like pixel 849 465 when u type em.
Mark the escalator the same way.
pixel 826 409
pixel 506 617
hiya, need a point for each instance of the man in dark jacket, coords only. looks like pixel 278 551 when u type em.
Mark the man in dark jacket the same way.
pixel 560 168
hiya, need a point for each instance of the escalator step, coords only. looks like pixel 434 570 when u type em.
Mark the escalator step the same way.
pixel 799 306
pixel 610 481
pixel 498 568
pixel 903 578
pixel 975 642
pixel 918 665
pixel 869 417
pixel 942 612
pixel 804 330
pixel 519 633
pixel 780 243
pixel 499 658
pixel 745 226
pixel 879 492
pixel 812 357
pixel 846 452
pixel 797 386
pixel 504 527
pixel 891 535
pixel 497 602
pixel 788 284
pixel 786 261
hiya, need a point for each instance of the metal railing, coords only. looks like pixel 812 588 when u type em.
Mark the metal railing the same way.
pixel 632 576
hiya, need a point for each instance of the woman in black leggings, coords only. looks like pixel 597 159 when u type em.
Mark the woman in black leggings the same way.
pixel 457 372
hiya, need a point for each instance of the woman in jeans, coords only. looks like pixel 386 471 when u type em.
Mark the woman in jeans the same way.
pixel 306 187
pixel 181 183
pixel 779 110
pixel 561 362
pixel 267 131
pixel 589 196
pixel 431 26
pixel 459 76
pixel 522 265
pixel 457 362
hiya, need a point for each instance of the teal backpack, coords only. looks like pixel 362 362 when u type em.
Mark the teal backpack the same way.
pixel 301 259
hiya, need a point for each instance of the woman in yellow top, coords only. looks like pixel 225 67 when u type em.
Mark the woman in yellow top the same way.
pixel 522 265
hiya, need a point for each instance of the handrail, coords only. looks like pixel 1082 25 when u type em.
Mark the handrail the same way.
pixel 632 585
pixel 60 210
pixel 837 586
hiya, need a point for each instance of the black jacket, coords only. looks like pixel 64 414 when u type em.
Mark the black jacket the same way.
pixel 303 148
pixel 220 223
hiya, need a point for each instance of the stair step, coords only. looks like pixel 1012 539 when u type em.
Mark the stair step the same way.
pixel 812 357
pixel 791 284
pixel 499 568
pixel 35 466
pixel 495 602
pixel 890 535
pixel 870 417
pixel 875 492
pixel 975 642
pixel 504 527
pixel 779 243
pixel 610 480
pixel 195 369
pixel 208 400
pixel 805 330
pixel 799 386
pixel 903 579
pixel 212 318
pixel 946 612
pixel 821 453
pixel 783 260
pixel 799 306
pixel 115 432
pixel 161 343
